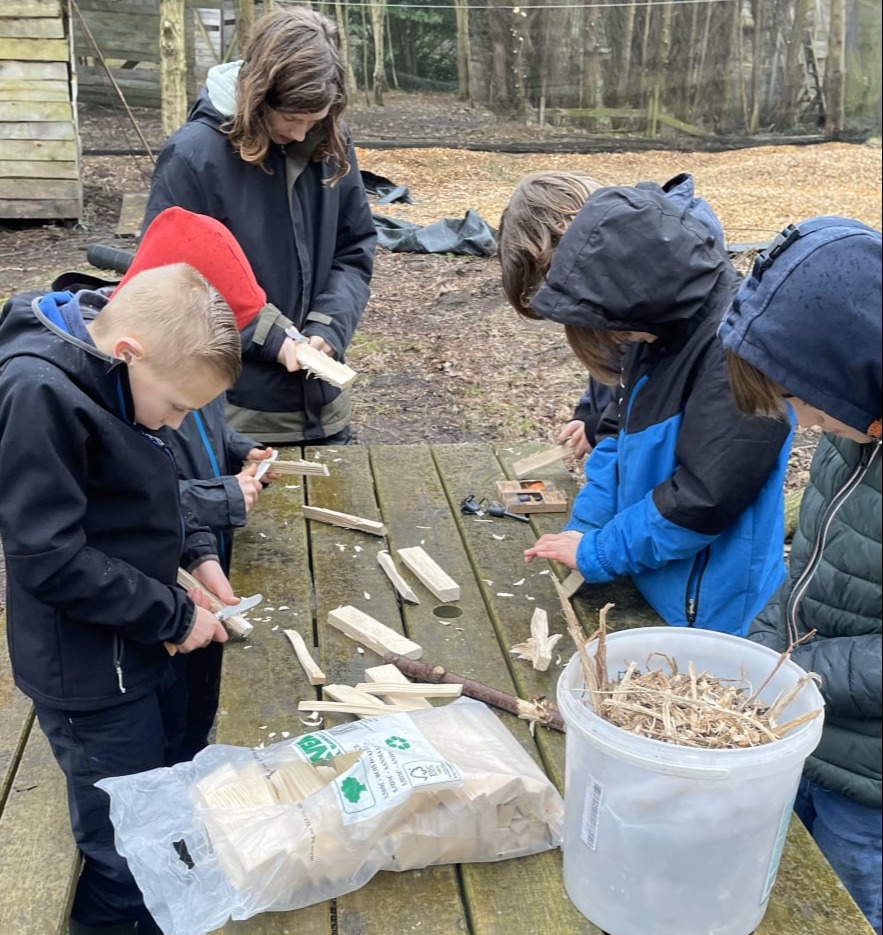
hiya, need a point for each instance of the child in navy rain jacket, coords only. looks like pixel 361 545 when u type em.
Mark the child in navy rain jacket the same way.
pixel 93 535
pixel 686 496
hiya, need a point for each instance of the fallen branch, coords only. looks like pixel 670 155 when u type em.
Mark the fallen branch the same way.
pixel 537 712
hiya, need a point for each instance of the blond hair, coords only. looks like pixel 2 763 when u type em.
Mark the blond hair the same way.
pixel 540 210
pixel 292 65
pixel 182 321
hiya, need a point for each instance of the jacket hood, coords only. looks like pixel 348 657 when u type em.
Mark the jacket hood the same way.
pixel 220 83
pixel 632 260
pixel 179 236
pixel 31 324
pixel 809 317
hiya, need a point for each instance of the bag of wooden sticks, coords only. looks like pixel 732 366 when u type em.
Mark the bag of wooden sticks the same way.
pixel 240 831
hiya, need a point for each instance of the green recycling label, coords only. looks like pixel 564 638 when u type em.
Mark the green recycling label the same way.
pixel 396 760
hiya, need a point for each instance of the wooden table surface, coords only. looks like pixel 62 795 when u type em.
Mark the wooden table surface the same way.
pixel 305 569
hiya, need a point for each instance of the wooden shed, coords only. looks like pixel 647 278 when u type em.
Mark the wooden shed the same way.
pixel 39 148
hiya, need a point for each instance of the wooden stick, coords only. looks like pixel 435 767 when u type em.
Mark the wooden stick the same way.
pixel 384 559
pixel 572 583
pixel 360 710
pixel 326 368
pixel 403 689
pixel 430 573
pixel 372 633
pixel 236 625
pixel 305 658
pixel 346 694
pixel 389 673
pixel 535 462
pixel 297 467
pixel 347 520
pixel 541 712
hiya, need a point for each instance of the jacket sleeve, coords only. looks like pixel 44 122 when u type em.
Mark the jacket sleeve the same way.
pixel 595 504
pixel 337 309
pixel 723 461
pixel 216 502
pixel 43 511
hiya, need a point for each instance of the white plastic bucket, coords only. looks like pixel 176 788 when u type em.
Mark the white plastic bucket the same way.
pixel 661 839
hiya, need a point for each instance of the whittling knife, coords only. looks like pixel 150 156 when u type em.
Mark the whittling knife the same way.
pixel 232 610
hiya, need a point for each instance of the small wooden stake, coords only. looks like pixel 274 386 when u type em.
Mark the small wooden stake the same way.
pixel 372 633
pixel 532 463
pixel 347 520
pixel 384 559
pixel 305 658
pixel 439 582
pixel 389 673
pixel 398 690
pixel 237 626
pixel 297 467
pixel 326 368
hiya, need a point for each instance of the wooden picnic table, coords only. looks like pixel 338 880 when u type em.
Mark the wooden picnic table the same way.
pixel 304 569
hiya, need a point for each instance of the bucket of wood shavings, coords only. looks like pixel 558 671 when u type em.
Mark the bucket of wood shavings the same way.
pixel 672 839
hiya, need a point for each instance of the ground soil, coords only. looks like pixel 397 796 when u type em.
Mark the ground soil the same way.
pixel 441 357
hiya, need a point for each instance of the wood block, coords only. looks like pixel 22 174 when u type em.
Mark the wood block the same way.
pixel 297 467
pixel 536 462
pixel 388 673
pixel 372 633
pixel 346 694
pixel 398 690
pixel 131 214
pixel 347 520
pixel 305 658
pixel 326 368
pixel 438 581
pixel 384 559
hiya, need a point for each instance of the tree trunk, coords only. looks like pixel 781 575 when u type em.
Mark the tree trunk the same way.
pixel 794 69
pixel 835 78
pixel 244 22
pixel 341 16
pixel 378 14
pixel 464 52
pixel 756 65
pixel 172 65
pixel 591 59
pixel 625 54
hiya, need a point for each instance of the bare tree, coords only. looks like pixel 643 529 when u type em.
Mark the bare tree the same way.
pixel 835 83
pixel 378 15
pixel 464 51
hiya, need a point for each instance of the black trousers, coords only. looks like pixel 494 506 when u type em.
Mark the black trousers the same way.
pixel 92 745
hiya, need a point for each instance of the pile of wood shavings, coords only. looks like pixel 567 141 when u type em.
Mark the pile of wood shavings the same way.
pixel 691 710
pixel 695 709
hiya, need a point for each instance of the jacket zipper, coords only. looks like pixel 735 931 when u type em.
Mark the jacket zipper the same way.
pixel 694 585
pixel 803 581
pixel 118 661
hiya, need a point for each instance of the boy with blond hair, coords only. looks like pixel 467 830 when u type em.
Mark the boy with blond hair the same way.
pixel 91 526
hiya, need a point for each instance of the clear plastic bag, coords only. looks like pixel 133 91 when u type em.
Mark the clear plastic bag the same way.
pixel 239 831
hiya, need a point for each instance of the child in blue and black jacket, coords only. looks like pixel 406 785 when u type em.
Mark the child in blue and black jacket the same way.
pixel 685 494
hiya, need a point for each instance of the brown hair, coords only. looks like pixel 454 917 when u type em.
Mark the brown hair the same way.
pixel 540 210
pixel 598 351
pixel 755 393
pixel 292 64
pixel 180 319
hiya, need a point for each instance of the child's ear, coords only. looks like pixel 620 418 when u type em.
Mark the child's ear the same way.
pixel 127 349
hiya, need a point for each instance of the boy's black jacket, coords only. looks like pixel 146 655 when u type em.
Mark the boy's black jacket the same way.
pixel 90 522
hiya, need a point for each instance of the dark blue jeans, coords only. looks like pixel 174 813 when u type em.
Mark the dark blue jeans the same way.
pixel 848 834
pixel 92 745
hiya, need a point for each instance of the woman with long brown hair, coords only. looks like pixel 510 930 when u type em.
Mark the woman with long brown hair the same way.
pixel 265 151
